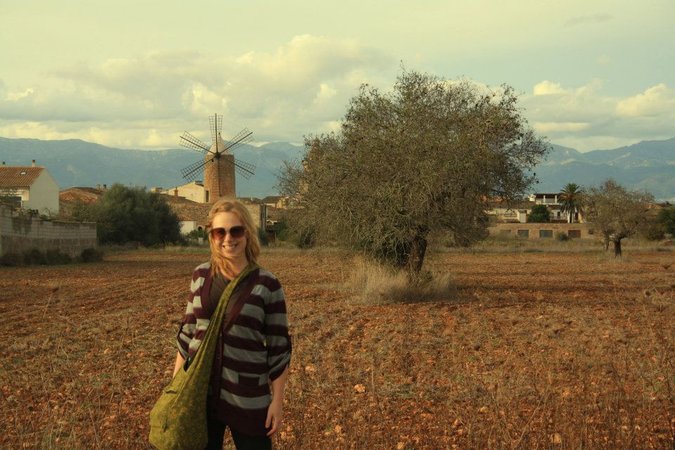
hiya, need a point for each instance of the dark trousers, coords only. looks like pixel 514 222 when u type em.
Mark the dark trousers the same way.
pixel 241 441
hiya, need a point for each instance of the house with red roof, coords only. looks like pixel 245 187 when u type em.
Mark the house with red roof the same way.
pixel 30 188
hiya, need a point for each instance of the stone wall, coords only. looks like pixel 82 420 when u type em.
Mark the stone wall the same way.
pixel 542 230
pixel 21 233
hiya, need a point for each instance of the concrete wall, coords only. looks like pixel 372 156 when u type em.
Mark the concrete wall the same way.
pixel 20 233
pixel 44 195
pixel 534 230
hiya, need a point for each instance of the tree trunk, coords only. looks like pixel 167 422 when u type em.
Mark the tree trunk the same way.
pixel 416 256
pixel 617 248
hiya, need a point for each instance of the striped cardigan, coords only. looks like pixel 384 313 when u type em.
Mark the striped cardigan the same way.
pixel 256 348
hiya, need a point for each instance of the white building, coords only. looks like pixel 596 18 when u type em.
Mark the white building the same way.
pixel 194 191
pixel 552 202
pixel 32 187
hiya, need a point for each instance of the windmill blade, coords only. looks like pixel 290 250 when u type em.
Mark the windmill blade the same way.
pixel 242 137
pixel 243 168
pixel 189 141
pixel 193 170
pixel 216 126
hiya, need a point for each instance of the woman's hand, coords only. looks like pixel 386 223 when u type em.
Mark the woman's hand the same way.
pixel 275 415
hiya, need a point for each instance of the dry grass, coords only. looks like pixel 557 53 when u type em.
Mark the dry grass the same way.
pixel 554 350
pixel 373 284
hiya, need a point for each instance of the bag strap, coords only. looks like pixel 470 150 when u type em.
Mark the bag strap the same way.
pixel 208 344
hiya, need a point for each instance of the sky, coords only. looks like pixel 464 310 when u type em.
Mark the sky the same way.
pixel 590 74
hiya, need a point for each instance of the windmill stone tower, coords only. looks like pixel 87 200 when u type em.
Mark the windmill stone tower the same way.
pixel 219 164
pixel 219 180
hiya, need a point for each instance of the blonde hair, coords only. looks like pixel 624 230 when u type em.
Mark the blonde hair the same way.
pixel 218 262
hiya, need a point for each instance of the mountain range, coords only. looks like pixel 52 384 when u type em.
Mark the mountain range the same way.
pixel 80 163
pixel 647 165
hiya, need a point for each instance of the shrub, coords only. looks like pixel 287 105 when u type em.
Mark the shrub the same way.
pixel 54 256
pixel 667 219
pixel 91 255
pixel 654 231
pixel 562 237
pixel 34 256
pixel 305 239
pixel 11 259
pixel 280 230
pixel 126 214
pixel 539 214
pixel 196 234
pixel 262 237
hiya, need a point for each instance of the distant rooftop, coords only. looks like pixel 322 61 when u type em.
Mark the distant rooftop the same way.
pixel 12 177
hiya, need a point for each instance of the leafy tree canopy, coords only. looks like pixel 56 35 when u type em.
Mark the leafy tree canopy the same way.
pixel 539 214
pixel 424 157
pixel 125 214
pixel 616 212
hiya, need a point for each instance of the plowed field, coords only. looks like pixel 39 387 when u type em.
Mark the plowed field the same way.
pixel 532 350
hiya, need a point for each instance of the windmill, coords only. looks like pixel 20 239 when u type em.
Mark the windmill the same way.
pixel 219 163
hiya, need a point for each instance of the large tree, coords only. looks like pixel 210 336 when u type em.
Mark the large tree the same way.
pixel 131 214
pixel 571 199
pixel 616 212
pixel 424 157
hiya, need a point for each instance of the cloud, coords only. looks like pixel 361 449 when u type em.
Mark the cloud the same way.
pixel 655 101
pixel 299 88
pixel 555 127
pixel 587 118
pixel 302 87
pixel 547 88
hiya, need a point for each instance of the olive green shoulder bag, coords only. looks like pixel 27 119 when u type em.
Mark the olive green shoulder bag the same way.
pixel 178 419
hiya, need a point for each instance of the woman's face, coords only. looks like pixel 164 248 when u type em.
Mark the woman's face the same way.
pixel 229 235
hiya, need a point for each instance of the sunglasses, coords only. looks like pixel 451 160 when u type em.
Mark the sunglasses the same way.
pixel 236 232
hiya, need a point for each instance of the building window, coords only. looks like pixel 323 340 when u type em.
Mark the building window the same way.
pixel 545 233
pixel 524 233
pixel 574 234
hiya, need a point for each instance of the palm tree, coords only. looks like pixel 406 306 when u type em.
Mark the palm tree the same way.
pixel 570 200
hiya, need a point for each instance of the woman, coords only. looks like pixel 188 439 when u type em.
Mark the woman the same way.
pixel 254 351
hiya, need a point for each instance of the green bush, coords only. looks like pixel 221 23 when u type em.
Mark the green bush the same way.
pixel 299 235
pixel 50 257
pixel 262 237
pixel 34 257
pixel 305 239
pixel 11 259
pixel 539 214
pixel 280 230
pixel 654 231
pixel 91 255
pixel 125 214
pixel 54 256
pixel 196 234
pixel 562 237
